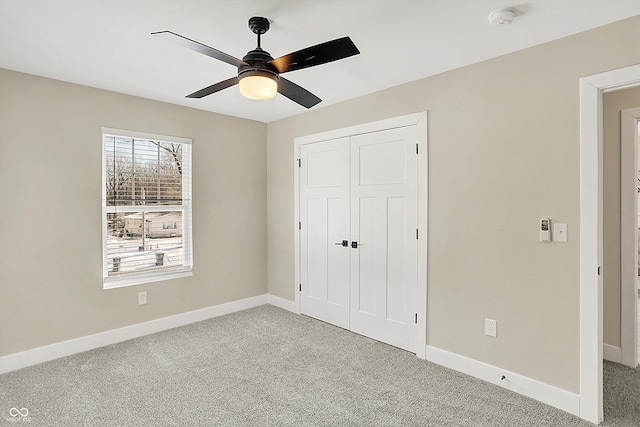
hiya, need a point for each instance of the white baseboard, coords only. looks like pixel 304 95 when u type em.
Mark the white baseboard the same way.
pixel 545 393
pixel 282 303
pixel 611 353
pixel 34 356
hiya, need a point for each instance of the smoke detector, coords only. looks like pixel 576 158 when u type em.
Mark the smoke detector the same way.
pixel 500 17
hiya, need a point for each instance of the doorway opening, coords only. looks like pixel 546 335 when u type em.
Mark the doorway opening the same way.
pixel 636 194
pixel 629 231
pixel 591 248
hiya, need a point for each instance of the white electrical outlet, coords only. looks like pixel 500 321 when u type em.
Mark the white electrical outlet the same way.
pixel 142 298
pixel 490 327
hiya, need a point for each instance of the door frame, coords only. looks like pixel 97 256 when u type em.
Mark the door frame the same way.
pixel 591 311
pixel 415 119
pixel 629 236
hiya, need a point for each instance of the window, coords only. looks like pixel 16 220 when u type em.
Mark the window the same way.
pixel 146 204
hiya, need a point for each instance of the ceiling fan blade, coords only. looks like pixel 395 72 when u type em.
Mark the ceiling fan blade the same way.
pixel 199 47
pixel 214 88
pixel 297 93
pixel 316 55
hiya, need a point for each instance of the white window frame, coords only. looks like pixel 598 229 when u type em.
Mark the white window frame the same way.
pixel 129 279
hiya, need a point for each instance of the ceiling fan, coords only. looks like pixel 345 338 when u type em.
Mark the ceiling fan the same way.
pixel 259 74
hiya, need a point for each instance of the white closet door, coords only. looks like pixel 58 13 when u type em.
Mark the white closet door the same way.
pixel 383 223
pixel 324 213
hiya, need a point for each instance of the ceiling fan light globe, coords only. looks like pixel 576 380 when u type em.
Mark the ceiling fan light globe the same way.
pixel 258 87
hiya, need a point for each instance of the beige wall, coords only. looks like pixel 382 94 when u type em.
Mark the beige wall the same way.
pixel 504 152
pixel 50 211
pixel 612 104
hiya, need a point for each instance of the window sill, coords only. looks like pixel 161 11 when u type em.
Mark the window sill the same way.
pixel 148 277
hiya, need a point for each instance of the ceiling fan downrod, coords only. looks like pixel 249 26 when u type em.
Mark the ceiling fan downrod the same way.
pixel 259 26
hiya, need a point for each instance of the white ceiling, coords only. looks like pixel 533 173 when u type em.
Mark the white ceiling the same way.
pixel 107 43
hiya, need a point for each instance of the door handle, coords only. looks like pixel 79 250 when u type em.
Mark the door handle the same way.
pixel 344 243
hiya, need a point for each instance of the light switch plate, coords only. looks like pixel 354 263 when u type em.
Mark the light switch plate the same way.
pixel 559 232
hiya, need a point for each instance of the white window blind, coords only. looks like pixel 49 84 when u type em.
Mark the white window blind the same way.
pixel 146 207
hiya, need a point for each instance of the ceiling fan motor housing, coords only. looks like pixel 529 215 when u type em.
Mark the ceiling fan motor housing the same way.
pixel 258 65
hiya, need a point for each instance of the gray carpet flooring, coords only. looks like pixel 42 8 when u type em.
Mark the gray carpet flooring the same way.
pixel 268 367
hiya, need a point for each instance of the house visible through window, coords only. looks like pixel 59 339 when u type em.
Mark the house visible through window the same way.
pixel 146 207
